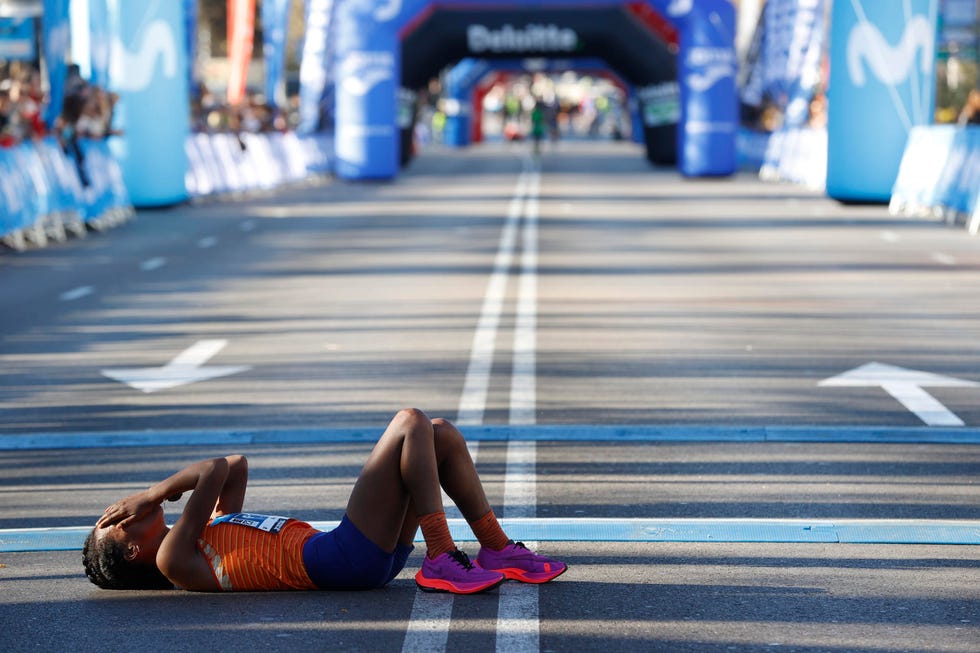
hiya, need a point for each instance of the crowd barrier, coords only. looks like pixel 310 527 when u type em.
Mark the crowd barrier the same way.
pixel 797 156
pixel 940 175
pixel 43 196
pixel 230 163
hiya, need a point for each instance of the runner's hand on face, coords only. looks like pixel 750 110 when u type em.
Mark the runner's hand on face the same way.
pixel 127 510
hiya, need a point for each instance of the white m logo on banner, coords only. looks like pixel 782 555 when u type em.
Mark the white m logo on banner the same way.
pixel 891 65
pixel 134 71
pixel 387 12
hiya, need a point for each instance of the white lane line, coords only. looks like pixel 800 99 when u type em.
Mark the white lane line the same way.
pixel 428 625
pixel 76 293
pixel 431 617
pixel 518 625
pixel 473 399
pixel 248 225
pixel 523 387
pixel 207 242
pixel 152 264
pixel 518 628
pixel 943 259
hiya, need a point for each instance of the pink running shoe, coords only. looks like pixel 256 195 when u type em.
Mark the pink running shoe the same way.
pixel 453 572
pixel 517 562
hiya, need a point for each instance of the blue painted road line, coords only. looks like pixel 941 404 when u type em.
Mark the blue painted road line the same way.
pixel 771 531
pixel 540 432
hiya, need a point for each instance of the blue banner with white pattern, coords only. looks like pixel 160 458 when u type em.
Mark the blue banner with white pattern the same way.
pixel 882 84
pixel 148 69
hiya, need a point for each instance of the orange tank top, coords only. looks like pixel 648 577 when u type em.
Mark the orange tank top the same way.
pixel 249 552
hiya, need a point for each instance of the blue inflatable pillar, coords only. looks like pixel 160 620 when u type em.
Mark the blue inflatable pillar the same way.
pixel 882 83
pixel 636 117
pixel 368 74
pixel 706 68
pixel 460 81
pixel 148 69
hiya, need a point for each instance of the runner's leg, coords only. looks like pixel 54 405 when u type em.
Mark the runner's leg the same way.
pixel 401 466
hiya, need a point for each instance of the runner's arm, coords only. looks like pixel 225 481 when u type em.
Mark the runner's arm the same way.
pixel 128 509
pixel 179 558
pixel 232 495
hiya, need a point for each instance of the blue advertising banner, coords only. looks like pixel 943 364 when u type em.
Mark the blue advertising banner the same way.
pixel 190 40
pixel 148 69
pixel 98 20
pixel 17 39
pixel 367 74
pixel 55 36
pixel 882 83
pixel 793 44
pixel 275 20
pixel 706 68
pixel 316 67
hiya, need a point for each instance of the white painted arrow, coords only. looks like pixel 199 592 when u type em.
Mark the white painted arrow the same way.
pixel 185 368
pixel 906 386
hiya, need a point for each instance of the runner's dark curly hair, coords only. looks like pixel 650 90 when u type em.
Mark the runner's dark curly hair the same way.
pixel 106 566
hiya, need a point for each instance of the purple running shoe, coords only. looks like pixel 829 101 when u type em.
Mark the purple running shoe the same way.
pixel 453 572
pixel 517 562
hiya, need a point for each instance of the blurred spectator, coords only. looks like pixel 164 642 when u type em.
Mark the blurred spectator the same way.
pixel 254 115
pixel 970 115
pixel 20 106
pixel 98 108
pixel 6 121
pixel 86 113
pixel 818 111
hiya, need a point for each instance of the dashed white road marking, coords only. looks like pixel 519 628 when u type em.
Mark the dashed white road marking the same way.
pixel 943 259
pixel 248 225
pixel 153 264
pixel 207 242
pixel 76 293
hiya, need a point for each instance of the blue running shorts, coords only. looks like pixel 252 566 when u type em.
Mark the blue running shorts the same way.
pixel 344 559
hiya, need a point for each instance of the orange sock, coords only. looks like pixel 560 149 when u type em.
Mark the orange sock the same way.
pixel 435 530
pixel 487 530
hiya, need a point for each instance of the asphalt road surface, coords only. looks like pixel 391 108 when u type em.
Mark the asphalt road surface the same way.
pixel 746 415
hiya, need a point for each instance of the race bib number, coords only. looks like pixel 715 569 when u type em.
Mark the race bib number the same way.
pixel 267 523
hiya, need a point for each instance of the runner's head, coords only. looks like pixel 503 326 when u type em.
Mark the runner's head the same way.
pixel 125 558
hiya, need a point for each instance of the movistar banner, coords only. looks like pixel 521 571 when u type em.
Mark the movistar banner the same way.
pixel 148 69
pixel 793 43
pixel 56 37
pixel 367 69
pixel 275 19
pixel 706 70
pixel 17 39
pixel 99 41
pixel 190 44
pixel 882 84
pixel 316 67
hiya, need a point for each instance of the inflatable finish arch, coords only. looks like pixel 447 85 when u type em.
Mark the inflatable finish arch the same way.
pixel 469 75
pixel 371 60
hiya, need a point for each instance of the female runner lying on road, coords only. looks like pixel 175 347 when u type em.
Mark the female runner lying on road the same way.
pixel 213 546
